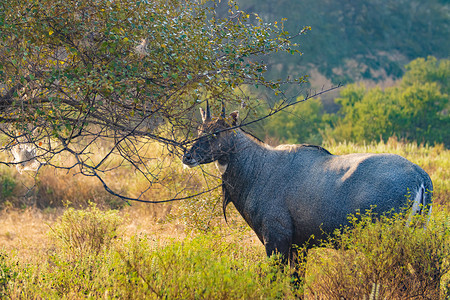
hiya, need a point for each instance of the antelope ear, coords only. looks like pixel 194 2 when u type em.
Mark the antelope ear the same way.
pixel 234 117
pixel 203 114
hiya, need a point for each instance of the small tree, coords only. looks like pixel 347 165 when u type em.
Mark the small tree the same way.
pixel 417 109
pixel 76 73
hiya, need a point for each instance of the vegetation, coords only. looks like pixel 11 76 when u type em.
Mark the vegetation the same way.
pixel 352 41
pixel 86 231
pixel 383 259
pixel 416 109
pixel 303 123
pixel 110 89
pixel 399 262
pixel 74 74
pixel 139 267
pixel 171 250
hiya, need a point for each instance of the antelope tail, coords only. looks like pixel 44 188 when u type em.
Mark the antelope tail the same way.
pixel 421 204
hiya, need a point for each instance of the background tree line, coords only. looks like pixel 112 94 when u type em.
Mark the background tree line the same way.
pixel 415 109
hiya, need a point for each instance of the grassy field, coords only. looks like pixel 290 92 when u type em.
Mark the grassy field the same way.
pixel 185 250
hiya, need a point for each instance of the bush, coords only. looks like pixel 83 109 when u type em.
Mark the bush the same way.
pixel 383 259
pixel 206 267
pixel 86 231
pixel 81 262
pixel 7 274
pixel 201 214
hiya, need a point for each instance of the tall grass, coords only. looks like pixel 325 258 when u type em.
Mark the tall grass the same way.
pixel 93 253
pixel 380 257
pixel 140 267
pixel 58 188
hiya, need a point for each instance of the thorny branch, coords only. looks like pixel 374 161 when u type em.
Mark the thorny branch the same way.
pixel 90 92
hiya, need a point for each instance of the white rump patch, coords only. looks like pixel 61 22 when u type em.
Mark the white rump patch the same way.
pixel 222 168
pixel 418 205
pixel 418 200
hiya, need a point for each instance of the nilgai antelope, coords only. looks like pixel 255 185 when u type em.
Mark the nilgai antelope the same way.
pixel 291 192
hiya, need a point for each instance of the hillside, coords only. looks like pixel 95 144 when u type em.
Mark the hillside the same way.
pixel 357 40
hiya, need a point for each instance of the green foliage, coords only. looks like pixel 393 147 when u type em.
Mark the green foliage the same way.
pixel 86 230
pixel 302 122
pixel 428 70
pixel 379 256
pixel 121 64
pixel 7 185
pixel 399 260
pixel 7 274
pixel 84 276
pixel 74 74
pixel 417 109
pixel 206 267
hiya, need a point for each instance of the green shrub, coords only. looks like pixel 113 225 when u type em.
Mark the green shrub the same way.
pixel 7 186
pixel 383 259
pixel 7 274
pixel 201 214
pixel 86 230
pixel 81 262
pixel 206 267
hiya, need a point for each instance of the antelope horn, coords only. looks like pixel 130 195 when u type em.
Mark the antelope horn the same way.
pixel 223 110
pixel 208 111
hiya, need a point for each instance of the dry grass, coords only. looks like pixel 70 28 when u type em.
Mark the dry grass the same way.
pixel 25 231
pixel 56 188
pixel 26 218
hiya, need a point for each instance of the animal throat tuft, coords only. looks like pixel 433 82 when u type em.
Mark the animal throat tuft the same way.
pixel 222 168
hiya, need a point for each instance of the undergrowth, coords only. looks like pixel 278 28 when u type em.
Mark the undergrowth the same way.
pixel 90 258
pixel 378 257
pixel 106 264
pixel 86 231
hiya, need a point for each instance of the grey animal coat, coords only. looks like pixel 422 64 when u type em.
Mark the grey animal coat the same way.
pixel 290 192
